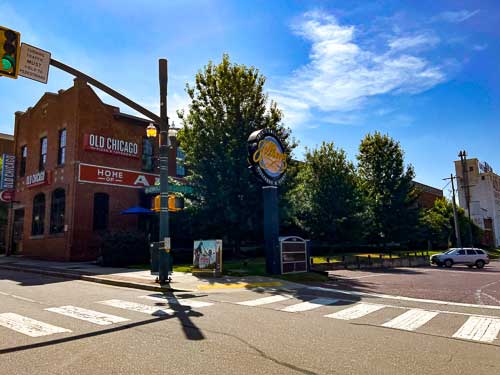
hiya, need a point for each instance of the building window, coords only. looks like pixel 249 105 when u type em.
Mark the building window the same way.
pixel 57 208
pixel 61 156
pixel 147 154
pixel 471 169
pixel 43 153
pixel 101 211
pixel 38 215
pixel 24 156
pixel 180 170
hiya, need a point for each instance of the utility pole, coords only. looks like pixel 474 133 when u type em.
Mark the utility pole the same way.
pixel 455 215
pixel 465 185
pixel 164 257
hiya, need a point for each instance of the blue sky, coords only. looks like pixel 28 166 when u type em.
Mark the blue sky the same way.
pixel 424 72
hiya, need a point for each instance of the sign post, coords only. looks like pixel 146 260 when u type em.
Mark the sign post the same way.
pixel 34 63
pixel 269 161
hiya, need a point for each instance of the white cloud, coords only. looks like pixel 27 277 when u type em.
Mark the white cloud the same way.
pixel 342 74
pixel 456 16
pixel 414 41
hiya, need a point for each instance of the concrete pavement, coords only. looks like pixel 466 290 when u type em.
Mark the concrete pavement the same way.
pixel 134 278
pixel 247 331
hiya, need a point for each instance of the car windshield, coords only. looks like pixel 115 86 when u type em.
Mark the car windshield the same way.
pixel 449 251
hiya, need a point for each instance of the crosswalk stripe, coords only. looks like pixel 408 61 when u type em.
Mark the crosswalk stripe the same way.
pixel 91 316
pixel 28 326
pixel 310 305
pixel 132 306
pixel 265 300
pixel 355 312
pixel 411 320
pixel 479 329
pixel 176 301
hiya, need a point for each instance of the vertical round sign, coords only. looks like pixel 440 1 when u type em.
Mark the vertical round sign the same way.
pixel 267 156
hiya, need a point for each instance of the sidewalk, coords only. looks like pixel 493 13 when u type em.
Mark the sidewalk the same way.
pixel 136 278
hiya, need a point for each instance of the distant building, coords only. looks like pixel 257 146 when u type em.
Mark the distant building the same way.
pixel 427 195
pixel 484 192
pixel 6 147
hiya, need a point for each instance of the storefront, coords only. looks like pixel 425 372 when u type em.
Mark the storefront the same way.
pixel 79 164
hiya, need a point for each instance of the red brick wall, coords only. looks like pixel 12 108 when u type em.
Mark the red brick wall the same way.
pixel 81 112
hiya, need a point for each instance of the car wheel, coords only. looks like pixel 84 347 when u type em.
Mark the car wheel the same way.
pixel 480 263
pixel 448 263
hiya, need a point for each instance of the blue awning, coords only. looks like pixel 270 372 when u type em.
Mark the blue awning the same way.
pixel 137 210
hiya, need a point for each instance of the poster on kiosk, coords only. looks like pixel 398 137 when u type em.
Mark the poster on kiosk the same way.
pixel 207 257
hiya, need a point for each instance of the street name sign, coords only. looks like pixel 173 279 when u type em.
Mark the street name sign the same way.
pixel 34 63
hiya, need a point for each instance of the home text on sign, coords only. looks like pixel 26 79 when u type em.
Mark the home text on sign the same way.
pixel 109 145
pixel 98 174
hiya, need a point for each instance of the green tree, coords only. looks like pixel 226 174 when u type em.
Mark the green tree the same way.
pixel 326 197
pixel 388 190
pixel 227 104
pixel 436 224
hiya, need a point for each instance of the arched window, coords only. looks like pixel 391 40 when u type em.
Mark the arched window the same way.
pixel 57 208
pixel 37 224
pixel 101 211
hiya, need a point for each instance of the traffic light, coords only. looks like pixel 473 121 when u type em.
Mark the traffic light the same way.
pixel 174 203
pixel 10 46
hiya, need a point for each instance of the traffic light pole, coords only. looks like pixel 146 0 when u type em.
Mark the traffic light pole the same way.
pixel 164 258
pixel 106 89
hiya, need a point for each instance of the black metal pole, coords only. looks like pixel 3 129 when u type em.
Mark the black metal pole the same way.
pixel 271 230
pixel 165 258
pixel 108 90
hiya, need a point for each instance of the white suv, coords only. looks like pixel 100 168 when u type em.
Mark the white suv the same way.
pixel 468 256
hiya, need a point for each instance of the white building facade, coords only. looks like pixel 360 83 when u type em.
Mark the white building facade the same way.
pixel 484 201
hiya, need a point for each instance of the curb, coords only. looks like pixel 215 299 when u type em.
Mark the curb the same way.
pixel 94 279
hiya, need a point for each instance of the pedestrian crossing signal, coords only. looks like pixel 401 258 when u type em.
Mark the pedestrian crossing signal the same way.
pixel 10 46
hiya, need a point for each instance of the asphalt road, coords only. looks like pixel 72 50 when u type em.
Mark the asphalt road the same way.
pixel 457 284
pixel 235 332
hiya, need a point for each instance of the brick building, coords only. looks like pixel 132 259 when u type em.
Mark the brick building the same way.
pixel 80 163
pixel 427 195
pixel 6 147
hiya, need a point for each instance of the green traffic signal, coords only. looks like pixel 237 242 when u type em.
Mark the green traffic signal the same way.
pixel 10 46
pixel 7 62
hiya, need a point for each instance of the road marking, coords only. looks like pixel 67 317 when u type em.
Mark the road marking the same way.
pixel 479 329
pixel 132 306
pixel 175 301
pixel 355 312
pixel 265 300
pixel 411 320
pixel 401 298
pixel 18 297
pixel 91 316
pixel 340 277
pixel 28 326
pixel 240 285
pixel 310 305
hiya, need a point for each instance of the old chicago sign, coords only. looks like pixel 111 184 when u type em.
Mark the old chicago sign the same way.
pixel 98 174
pixel 110 145
pixel 267 156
